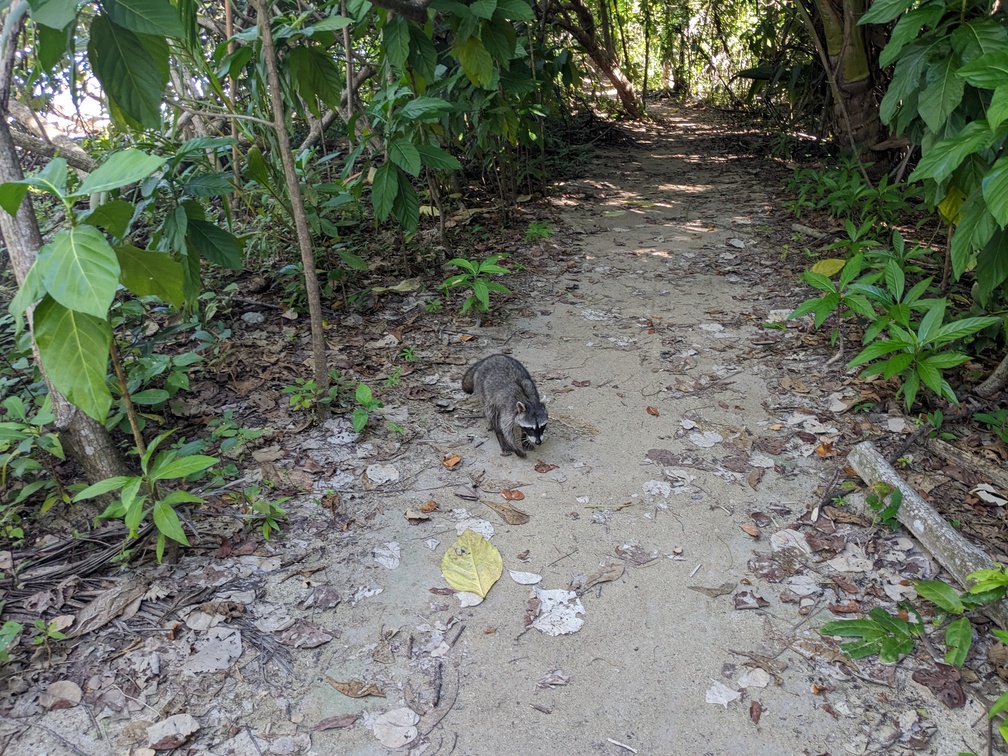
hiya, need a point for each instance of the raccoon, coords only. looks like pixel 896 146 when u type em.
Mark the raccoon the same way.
pixel 510 401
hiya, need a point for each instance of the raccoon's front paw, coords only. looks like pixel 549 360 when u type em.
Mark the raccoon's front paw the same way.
pixel 527 443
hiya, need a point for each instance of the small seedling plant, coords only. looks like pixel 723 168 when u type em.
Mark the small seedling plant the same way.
pixel 368 404
pixel 476 277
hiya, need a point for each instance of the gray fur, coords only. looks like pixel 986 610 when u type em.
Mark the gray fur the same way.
pixel 510 401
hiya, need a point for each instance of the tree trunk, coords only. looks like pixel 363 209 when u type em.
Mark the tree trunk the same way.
pixel 85 439
pixel 320 366
pixel 583 30
pixel 856 109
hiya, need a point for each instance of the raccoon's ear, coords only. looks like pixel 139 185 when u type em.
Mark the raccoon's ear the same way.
pixel 521 407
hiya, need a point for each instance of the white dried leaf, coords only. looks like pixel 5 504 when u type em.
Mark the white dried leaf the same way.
pixel 719 693
pixel 524 578
pixel 396 728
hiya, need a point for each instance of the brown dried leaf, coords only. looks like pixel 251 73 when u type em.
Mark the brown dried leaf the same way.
pixel 512 494
pixel 653 411
pixel 581 384
pixel 605 575
pixel 414 517
pixel 429 506
pixel 356 688
pixel 108 606
pixel 722 590
pixel 750 600
pixel 755 711
pixel 451 461
pixel 751 530
pixel 851 607
pixel 544 467
pixel 755 476
pixel 339 722
pixel 511 515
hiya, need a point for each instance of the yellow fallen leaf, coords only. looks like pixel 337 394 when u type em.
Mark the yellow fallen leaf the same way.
pixel 472 564
pixel 829 267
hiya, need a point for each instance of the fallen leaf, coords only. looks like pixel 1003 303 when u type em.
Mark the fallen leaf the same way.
pixel 525 578
pixel 339 722
pixel 451 460
pixel 605 575
pixel 751 530
pixel 511 515
pixel 396 728
pixel 722 590
pixel 653 411
pixel 755 476
pixel 554 679
pixel 851 607
pixel 414 517
pixel 472 564
pixel 62 694
pixel 719 693
pixel 825 449
pixel 755 711
pixel 304 634
pixel 429 506
pixel 544 467
pixel 558 612
pixel 749 600
pixel 356 688
pixel 581 384
pixel 171 733
pixel 512 494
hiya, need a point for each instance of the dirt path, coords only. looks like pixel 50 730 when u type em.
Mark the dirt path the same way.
pixel 671 423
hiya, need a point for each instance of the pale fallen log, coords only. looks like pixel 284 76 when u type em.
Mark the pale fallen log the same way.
pixel 947 545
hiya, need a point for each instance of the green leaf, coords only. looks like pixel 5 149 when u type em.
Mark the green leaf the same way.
pixel 942 94
pixel 942 594
pixel 884 11
pixel 332 23
pixel 481 293
pixel 876 350
pixel 156 17
pixel 150 397
pixel 426 109
pixel 906 31
pixel 404 153
pixel 406 207
pixel 363 394
pixel 997 111
pixel 931 322
pixel 315 75
pixel 995 190
pixel 476 62
pixel 183 467
pixel 896 364
pixel 998 706
pixel 79 269
pixel 360 418
pixel 514 10
pixel 958 639
pixel 437 158
pixel 818 281
pixel 121 168
pixel 167 522
pixel 945 155
pixel 856 628
pixel 208 185
pixel 964 327
pixel 75 348
pixel 930 376
pixel 30 291
pixel 384 188
pixel 215 244
pixel 972 233
pixel 395 41
pixel 102 487
pixel 992 265
pixel 114 216
pixel 12 194
pixel 892 625
pixel 892 648
pixel 483 8
pixel 946 360
pixel 989 71
pixel 56 14
pixel 129 74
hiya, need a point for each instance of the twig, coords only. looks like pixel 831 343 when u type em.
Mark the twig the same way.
pixel 621 745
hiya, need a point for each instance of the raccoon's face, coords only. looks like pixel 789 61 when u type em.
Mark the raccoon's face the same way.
pixel 532 424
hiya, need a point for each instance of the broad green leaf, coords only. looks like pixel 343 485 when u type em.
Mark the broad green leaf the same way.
pixel 167 522
pixel 129 74
pixel 426 109
pixel 906 30
pixel 360 418
pixel 363 394
pixel 987 580
pixel 437 158
pixel 499 288
pixel 56 14
pixel 960 329
pixel 931 322
pixel 384 188
pixel 102 487
pixel 989 71
pixel 208 185
pixel 149 273
pixel 958 639
pixel 121 168
pixel 874 351
pixel 825 307
pixel 404 153
pixel 30 292
pixel 995 190
pixel 514 10
pixel 856 628
pixel 315 75
pixel 423 54
pixel 946 360
pixel 75 351
pixel 895 279
pixel 893 625
pixel 884 11
pixel 896 364
pixel 945 155
pixel 998 706
pixel 992 265
pixel 910 387
pixel 818 281
pixel 157 17
pixel 406 206
pixel 114 216
pixel 80 270
pixel 472 564
pixel 861 649
pixel 183 467
pixel 481 293
pixel 979 36
pixel 943 93
pixel 150 397
pixel 892 648
pixel 483 8
pixel 12 194
pixel 974 229
pixel 396 40
pixel 942 594
pixel 51 179
pixel 929 375
pixel 330 24
pixel 997 111
pixel 476 62
pixel 215 244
